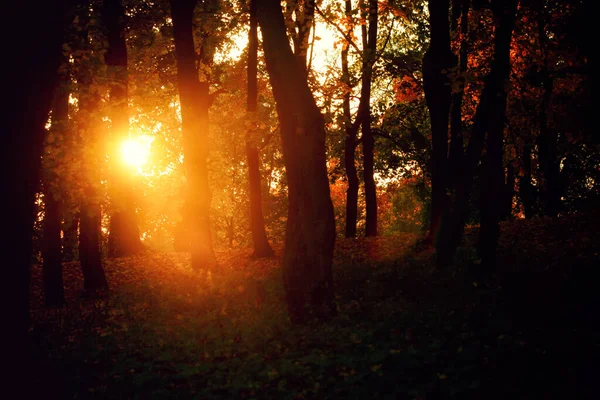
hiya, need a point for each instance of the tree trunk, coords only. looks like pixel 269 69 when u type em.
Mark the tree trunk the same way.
pixel 489 231
pixel 262 248
pixel 526 189
pixel 54 294
pixel 489 118
pixel 88 116
pixel 90 256
pixel 52 255
pixel 456 151
pixel 350 142
pixel 438 60
pixel 508 194
pixel 310 229
pixel 368 141
pixel 35 50
pixel 124 236
pixel 194 100
pixel 352 191
pixel 304 23
pixel 550 192
pixel 70 231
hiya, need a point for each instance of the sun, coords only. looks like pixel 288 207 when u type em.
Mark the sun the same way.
pixel 135 152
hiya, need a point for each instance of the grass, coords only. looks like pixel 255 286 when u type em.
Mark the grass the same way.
pixel 404 330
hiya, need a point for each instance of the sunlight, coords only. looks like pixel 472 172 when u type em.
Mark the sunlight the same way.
pixel 135 152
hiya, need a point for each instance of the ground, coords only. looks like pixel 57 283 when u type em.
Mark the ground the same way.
pixel 527 329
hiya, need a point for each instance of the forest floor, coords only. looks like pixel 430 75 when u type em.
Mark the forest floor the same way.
pixel 404 331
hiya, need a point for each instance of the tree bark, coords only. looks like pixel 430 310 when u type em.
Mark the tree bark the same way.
pixel 310 229
pixel 94 279
pixel 489 118
pixel 368 141
pixel 456 151
pixel 124 234
pixel 350 143
pixel 90 257
pixel 54 294
pixel 31 71
pixel 70 231
pixel 262 248
pixel 489 231
pixel 194 100
pixel 550 192
pixel 526 189
pixel 304 23
pixel 508 194
pixel 438 60
pixel 52 255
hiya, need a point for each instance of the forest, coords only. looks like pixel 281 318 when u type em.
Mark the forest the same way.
pixel 300 199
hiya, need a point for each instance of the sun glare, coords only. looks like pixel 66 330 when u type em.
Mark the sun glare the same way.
pixel 135 152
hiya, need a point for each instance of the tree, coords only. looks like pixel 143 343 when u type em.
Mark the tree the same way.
pixel 299 18
pixel 437 63
pixel 262 248
pixel 369 39
pixel 124 235
pixel 54 198
pixel 88 125
pixel 489 232
pixel 350 141
pixel 310 229
pixel 70 228
pixel 32 78
pixel 195 102
pixel 489 119
pixel 368 56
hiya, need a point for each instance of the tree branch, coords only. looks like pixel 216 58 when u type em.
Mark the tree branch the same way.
pixel 340 30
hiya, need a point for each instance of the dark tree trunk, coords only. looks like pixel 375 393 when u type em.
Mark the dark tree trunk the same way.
pixel 489 231
pixel 310 229
pixel 368 141
pixel 35 48
pixel 350 142
pixel 54 294
pixel 194 100
pixel 90 256
pixel 262 248
pixel 304 23
pixel 52 255
pixel 94 280
pixel 70 235
pixel 526 189
pixel 124 236
pixel 550 188
pixel 489 118
pixel 456 151
pixel 352 191
pixel 438 60
pixel 508 194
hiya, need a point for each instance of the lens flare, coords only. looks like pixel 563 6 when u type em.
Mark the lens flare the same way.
pixel 135 152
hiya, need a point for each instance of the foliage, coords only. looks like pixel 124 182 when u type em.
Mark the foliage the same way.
pixel 403 330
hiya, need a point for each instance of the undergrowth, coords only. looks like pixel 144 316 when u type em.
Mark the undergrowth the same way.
pixel 404 330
